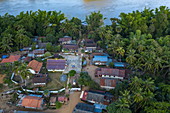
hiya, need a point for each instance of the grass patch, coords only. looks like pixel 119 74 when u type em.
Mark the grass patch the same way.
pixel 55 82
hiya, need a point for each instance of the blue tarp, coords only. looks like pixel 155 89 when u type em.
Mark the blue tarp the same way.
pixel 100 58
pixel 119 64
pixel 4 56
pixel 21 49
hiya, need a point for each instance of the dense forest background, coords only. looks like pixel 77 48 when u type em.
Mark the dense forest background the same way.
pixel 142 39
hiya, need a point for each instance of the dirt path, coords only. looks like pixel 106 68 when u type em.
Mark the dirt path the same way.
pixel 74 99
pixel 1 78
pixel 91 71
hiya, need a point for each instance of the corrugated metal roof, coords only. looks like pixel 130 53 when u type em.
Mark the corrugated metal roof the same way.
pixel 56 64
pixel 119 64
pixel 111 72
pixel 100 58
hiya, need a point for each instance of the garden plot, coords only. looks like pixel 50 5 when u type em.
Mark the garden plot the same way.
pixel 55 82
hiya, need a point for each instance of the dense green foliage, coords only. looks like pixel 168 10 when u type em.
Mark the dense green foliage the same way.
pixel 58 105
pixel 140 38
pixel 86 80
pixel 72 73
pixel 141 95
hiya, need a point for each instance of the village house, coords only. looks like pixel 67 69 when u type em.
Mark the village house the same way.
pixel 100 60
pixel 65 40
pixel 40 80
pixel 27 59
pixel 53 101
pixel 62 99
pixel 31 54
pixel 99 50
pixel 33 102
pixel 35 66
pixel 84 108
pixel 107 83
pixel 90 45
pixel 42 45
pixel 56 65
pixel 27 49
pixel 111 73
pixel 38 52
pixel 11 59
pixel 99 97
pixel 70 48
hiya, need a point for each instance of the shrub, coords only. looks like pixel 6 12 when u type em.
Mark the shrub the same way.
pixel 58 105
pixel 47 54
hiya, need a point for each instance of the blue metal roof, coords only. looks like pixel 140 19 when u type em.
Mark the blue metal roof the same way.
pixel 100 106
pixel 97 110
pixel 34 95
pixel 85 62
pixel 119 64
pixel 100 58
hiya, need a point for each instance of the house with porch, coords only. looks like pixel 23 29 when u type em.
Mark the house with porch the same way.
pixel 100 60
pixel 70 48
pixel 40 80
pixel 35 66
pixel 84 108
pixel 53 100
pixel 96 96
pixel 111 73
pixel 107 83
pixel 65 40
pixel 89 45
pixel 32 102
pixel 11 59
pixel 38 52
pixel 62 99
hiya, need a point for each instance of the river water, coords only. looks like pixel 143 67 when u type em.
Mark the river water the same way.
pixel 80 8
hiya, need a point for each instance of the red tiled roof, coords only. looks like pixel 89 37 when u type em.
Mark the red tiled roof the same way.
pixel 11 59
pixel 65 39
pixel 35 65
pixel 32 101
pixel 111 72
pixel 62 98
pixel 108 82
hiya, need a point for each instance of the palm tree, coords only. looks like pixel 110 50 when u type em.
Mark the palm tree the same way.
pixel 22 39
pixel 23 72
pixel 131 56
pixel 120 51
pixel 6 43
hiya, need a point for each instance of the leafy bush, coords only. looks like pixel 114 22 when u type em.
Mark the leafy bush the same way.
pixel 47 54
pixel 58 105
